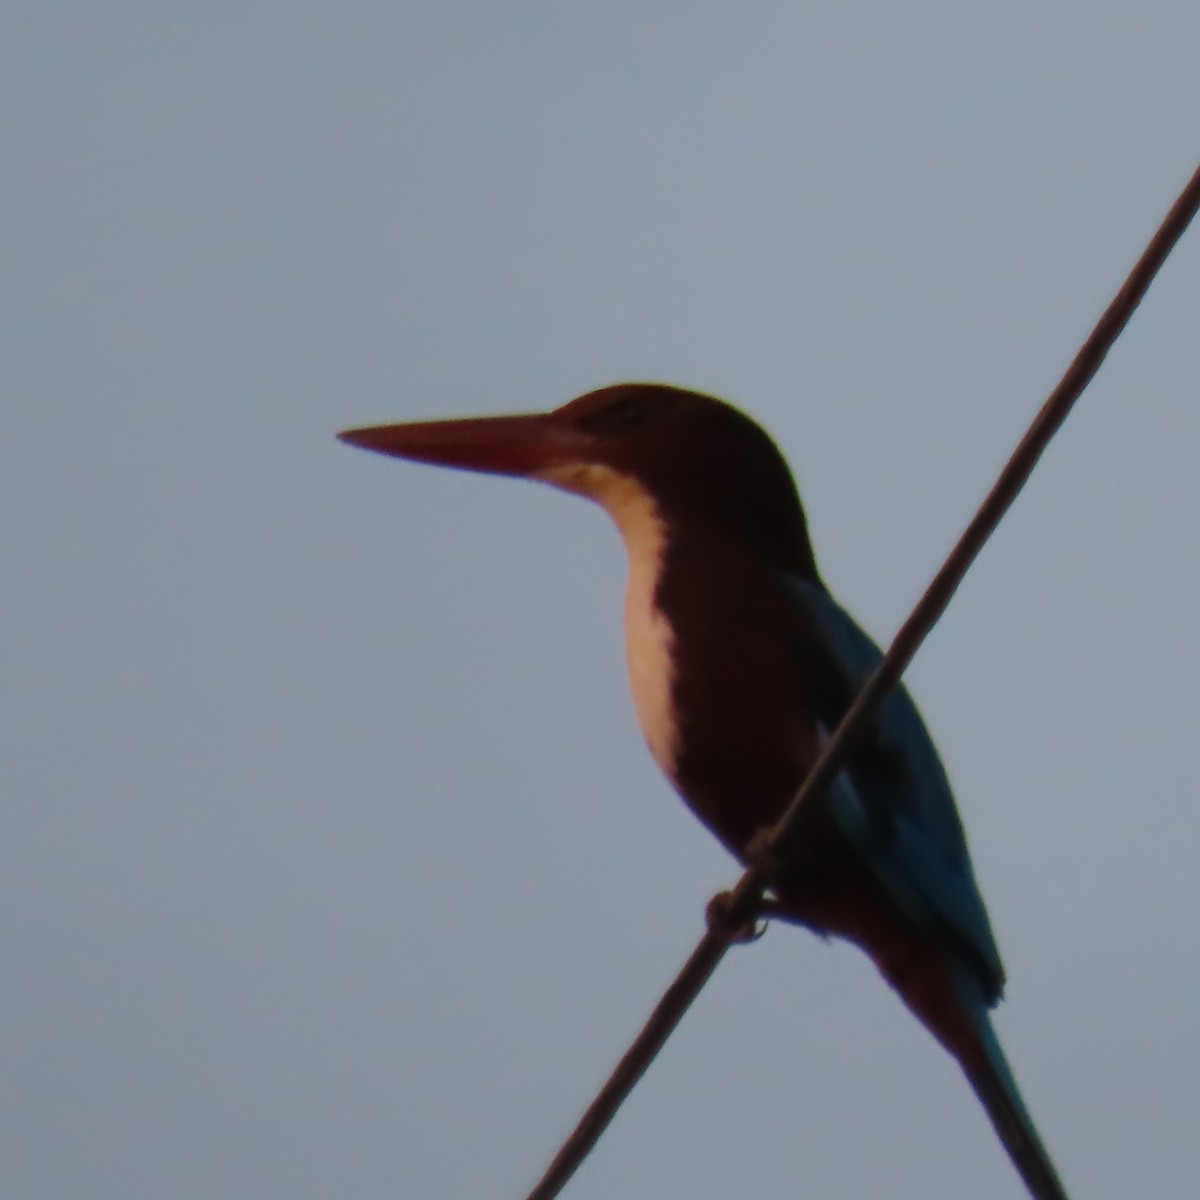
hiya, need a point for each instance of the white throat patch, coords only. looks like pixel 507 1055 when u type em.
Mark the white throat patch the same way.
pixel 649 640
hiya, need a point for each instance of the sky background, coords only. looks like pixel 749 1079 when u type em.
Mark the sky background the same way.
pixel 332 861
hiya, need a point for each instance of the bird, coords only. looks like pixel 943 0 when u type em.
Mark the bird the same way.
pixel 741 664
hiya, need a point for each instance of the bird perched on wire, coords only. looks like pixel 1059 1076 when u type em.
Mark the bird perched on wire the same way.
pixel 741 664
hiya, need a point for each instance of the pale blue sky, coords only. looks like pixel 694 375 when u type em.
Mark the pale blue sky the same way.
pixel 333 864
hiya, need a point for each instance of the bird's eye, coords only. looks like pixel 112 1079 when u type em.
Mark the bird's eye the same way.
pixel 618 416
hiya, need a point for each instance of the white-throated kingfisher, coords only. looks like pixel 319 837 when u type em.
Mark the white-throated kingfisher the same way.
pixel 741 663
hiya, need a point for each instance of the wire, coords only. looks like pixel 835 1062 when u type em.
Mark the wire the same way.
pixel 738 909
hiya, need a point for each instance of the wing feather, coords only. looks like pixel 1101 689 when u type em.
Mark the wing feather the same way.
pixel 894 803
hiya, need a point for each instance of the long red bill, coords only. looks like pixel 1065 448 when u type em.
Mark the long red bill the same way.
pixel 512 445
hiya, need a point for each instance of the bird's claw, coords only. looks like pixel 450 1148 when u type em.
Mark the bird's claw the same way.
pixel 718 916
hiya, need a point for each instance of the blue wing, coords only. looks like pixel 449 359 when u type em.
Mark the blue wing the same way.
pixel 893 801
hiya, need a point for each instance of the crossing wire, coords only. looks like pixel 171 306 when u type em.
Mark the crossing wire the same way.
pixel 732 912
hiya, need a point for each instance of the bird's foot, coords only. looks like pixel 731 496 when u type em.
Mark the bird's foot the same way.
pixel 720 919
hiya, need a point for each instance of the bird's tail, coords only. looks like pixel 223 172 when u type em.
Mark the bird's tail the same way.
pixel 989 1074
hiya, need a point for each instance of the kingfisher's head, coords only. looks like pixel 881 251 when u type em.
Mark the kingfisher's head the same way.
pixel 638 449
